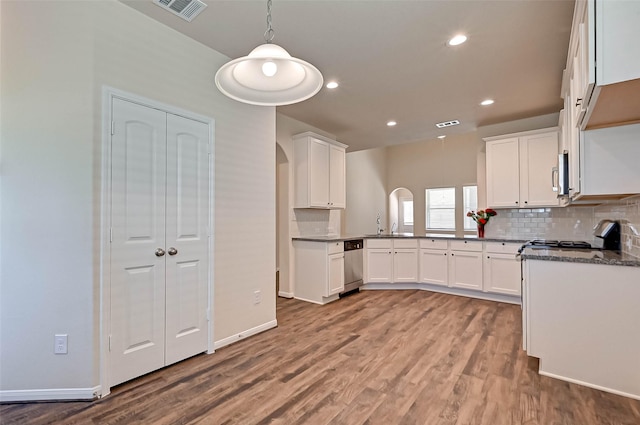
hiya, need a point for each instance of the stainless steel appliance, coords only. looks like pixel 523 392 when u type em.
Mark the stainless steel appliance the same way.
pixel 353 251
pixel 609 232
pixel 562 172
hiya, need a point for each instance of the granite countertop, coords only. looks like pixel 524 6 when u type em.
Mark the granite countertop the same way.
pixel 590 256
pixel 336 238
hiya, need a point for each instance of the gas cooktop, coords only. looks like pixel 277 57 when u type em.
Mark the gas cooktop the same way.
pixel 550 243
pixel 547 243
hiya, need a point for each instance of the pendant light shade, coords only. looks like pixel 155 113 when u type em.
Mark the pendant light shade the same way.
pixel 269 76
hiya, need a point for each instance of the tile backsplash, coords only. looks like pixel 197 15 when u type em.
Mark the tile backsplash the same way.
pixel 312 222
pixel 569 223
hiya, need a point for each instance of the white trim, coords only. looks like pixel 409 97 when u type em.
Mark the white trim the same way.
pixel 285 294
pixel 309 301
pixel 50 394
pixel 242 335
pixel 587 384
pixel 108 94
pixel 521 134
pixel 444 290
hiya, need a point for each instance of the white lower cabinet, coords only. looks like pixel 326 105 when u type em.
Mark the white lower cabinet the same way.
pixel 335 283
pixel 581 321
pixel 379 267
pixel 471 265
pixel 319 270
pixel 434 260
pixel 391 261
pixel 465 265
pixel 502 269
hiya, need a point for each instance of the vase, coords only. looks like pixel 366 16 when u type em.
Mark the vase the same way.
pixel 481 230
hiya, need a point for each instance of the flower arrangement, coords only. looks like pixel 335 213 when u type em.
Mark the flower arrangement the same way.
pixel 482 216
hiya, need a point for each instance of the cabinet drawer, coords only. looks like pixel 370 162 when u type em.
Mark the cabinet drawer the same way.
pixel 502 247
pixel 433 243
pixel 379 243
pixel 466 246
pixel 405 243
pixel 335 247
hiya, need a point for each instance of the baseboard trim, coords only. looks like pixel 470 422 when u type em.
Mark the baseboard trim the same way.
pixel 285 294
pixel 242 335
pixel 50 394
pixel 587 384
pixel 444 290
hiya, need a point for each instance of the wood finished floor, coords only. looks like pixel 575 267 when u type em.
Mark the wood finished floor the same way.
pixel 377 357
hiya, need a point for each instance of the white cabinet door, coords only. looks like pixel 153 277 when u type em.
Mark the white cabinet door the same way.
pixel 538 157
pixel 318 173
pixel 335 283
pixel 337 172
pixel 187 222
pixel 405 265
pixel 434 266
pixel 379 265
pixel 465 270
pixel 502 274
pixel 503 175
pixel 138 225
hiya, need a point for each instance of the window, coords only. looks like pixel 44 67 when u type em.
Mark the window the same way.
pixel 441 208
pixel 407 211
pixel 470 202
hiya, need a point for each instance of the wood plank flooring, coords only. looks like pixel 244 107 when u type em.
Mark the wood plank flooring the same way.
pixel 376 357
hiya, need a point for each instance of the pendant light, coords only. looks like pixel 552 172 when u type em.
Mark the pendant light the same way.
pixel 269 76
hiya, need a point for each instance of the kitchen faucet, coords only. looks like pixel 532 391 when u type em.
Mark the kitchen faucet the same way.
pixel 394 226
pixel 380 229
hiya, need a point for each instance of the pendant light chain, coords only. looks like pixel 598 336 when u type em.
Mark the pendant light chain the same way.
pixel 269 33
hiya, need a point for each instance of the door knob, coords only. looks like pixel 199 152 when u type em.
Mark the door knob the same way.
pixel 172 251
pixel 159 252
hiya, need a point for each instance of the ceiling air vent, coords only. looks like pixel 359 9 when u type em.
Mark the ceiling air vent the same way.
pixel 447 123
pixel 186 9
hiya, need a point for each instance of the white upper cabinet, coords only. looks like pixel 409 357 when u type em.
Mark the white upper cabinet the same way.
pixel 520 169
pixel 319 172
pixel 602 76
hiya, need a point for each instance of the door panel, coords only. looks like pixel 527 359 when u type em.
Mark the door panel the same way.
pixel 138 228
pixel 187 232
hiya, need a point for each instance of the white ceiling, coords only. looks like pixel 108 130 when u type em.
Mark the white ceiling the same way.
pixel 392 61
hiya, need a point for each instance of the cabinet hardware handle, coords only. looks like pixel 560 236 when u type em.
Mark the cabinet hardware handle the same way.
pixel 488 256
pixel 526 202
pixel 445 253
pixel 452 254
pixel 578 102
pixel 516 202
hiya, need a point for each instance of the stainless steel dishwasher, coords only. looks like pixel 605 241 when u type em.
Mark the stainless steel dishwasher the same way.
pixel 353 251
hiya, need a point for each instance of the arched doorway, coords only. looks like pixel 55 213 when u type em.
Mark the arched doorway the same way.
pixel 401 210
pixel 283 239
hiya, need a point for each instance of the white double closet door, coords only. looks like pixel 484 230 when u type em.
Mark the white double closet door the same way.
pixel 159 248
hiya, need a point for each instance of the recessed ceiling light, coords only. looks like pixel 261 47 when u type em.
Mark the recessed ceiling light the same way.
pixel 332 85
pixel 391 123
pixel 487 102
pixel 457 40
pixel 441 137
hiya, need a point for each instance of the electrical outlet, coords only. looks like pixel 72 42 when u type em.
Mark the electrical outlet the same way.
pixel 60 344
pixel 257 297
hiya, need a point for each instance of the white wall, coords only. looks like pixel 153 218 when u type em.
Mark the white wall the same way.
pixel 56 57
pixel 366 191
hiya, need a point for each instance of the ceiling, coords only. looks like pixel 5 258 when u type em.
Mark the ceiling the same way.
pixel 392 61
